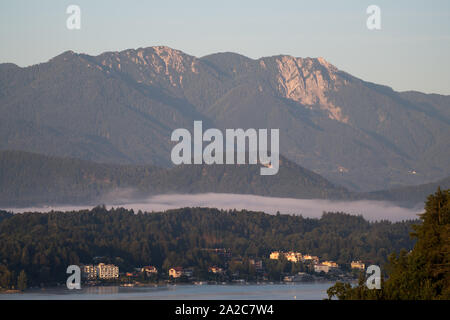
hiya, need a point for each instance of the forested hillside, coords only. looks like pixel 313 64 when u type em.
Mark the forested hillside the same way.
pixel 30 179
pixel 44 244
pixel 33 179
pixel 408 195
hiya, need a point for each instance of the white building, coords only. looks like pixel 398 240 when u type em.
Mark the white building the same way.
pixel 101 271
pixel 321 268
pixel 89 272
pixel 107 271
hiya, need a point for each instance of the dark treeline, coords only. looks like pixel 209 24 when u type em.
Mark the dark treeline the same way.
pixel 42 245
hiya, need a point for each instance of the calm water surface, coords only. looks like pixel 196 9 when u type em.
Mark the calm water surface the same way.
pixel 300 291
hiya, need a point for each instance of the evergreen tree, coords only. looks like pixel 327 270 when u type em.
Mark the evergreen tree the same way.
pixel 22 281
pixel 422 273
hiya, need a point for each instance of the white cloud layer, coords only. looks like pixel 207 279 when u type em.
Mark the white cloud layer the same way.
pixel 313 208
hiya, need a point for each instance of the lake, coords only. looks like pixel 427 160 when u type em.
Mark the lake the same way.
pixel 299 291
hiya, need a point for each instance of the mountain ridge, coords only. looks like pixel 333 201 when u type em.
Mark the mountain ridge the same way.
pixel 120 107
pixel 28 179
pixel 34 179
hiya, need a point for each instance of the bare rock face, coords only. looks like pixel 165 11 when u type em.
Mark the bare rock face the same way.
pixel 308 81
pixel 152 65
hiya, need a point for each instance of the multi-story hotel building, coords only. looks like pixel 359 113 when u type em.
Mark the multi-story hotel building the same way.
pixel 101 271
pixel 108 271
pixel 90 272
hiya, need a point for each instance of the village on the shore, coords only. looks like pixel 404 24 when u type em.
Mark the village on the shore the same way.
pixel 279 266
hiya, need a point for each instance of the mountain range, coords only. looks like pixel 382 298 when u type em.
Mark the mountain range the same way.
pixel 121 107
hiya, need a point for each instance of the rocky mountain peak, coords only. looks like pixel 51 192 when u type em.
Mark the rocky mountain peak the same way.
pixel 308 81
pixel 158 64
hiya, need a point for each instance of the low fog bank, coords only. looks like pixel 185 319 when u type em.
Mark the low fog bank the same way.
pixel 370 209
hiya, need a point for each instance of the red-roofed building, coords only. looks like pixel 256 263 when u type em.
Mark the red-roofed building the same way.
pixel 149 270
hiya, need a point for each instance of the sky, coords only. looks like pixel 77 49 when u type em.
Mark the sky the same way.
pixel 410 52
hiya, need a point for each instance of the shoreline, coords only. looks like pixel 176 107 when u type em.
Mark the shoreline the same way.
pixel 162 285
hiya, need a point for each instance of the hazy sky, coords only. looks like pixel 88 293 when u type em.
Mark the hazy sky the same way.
pixel 410 52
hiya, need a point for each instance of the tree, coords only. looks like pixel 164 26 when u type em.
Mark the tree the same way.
pixel 22 281
pixel 340 291
pixel 422 273
pixel 5 277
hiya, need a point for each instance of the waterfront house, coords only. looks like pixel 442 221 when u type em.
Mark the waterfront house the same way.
pixel 331 264
pixel 275 255
pixel 176 272
pixel 216 270
pixel 149 270
pixel 358 265
pixel 321 268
